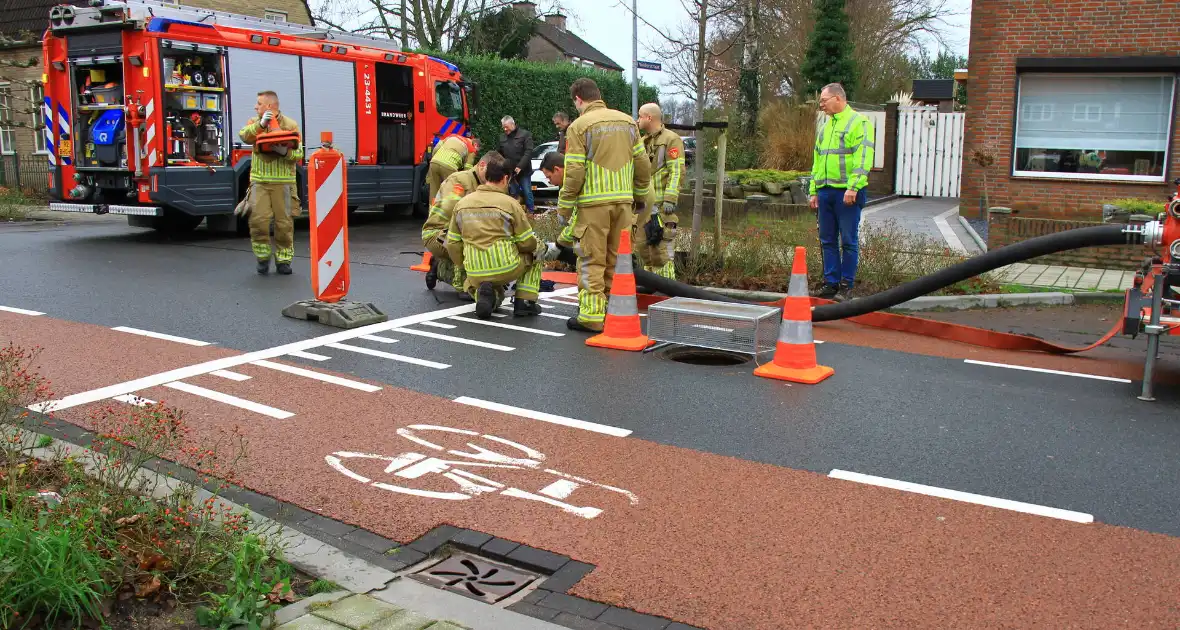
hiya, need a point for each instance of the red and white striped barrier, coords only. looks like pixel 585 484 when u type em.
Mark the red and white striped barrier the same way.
pixel 328 208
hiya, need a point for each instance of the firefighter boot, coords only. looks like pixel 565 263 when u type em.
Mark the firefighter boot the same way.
pixel 485 303
pixel 432 274
pixel 264 266
pixel 525 308
pixel 283 268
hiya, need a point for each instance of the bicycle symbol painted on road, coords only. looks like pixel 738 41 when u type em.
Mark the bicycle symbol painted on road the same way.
pixel 413 466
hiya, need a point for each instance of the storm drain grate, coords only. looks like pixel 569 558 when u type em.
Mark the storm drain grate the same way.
pixel 475 577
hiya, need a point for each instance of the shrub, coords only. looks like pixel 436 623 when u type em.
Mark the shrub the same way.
pixel 789 129
pixel 1139 206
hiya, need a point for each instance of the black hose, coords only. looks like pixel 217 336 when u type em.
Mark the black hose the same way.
pixel 1097 236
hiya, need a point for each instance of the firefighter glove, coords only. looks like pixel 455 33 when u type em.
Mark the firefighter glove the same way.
pixel 668 207
pixel 654 230
pixel 548 251
pixel 266 117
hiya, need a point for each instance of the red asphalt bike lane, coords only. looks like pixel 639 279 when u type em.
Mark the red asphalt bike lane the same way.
pixel 711 541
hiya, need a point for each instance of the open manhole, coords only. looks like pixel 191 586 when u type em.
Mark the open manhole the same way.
pixel 705 356
pixel 475 577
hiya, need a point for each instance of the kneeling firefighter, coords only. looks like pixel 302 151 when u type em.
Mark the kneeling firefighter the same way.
pixel 434 230
pixel 492 240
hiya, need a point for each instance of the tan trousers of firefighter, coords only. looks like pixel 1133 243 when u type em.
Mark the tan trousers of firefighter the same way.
pixel 280 203
pixel 596 232
pixel 527 276
pixel 447 271
pixel 660 258
pixel 436 175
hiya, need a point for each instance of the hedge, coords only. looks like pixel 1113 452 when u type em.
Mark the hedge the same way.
pixel 532 92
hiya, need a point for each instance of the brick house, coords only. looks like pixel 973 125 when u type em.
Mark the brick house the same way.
pixel 1076 100
pixel 552 43
pixel 22 22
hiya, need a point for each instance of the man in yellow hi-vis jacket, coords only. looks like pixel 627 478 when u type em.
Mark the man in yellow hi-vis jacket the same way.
pixel 273 193
pixel 840 166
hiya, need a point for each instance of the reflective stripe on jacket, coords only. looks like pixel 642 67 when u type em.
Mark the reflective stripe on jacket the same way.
pixel 454 188
pixel 665 149
pixel 454 152
pixel 488 233
pixel 843 153
pixel 605 162
pixel 269 167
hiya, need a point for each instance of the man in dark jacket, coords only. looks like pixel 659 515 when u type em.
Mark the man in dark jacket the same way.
pixel 561 121
pixel 516 145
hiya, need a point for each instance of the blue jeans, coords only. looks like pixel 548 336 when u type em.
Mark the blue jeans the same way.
pixel 839 227
pixel 522 184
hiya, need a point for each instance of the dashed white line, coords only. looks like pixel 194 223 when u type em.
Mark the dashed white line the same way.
pixel 233 376
pixel 544 417
pixel 241 403
pixel 469 342
pixel 549 315
pixel 20 311
pixel 311 356
pixel 1045 371
pixel 156 335
pixel 132 399
pixel 507 326
pixel 439 325
pixel 377 338
pixel 390 356
pixel 979 499
pixel 327 378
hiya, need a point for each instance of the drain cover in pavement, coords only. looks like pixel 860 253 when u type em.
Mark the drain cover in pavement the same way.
pixel 475 577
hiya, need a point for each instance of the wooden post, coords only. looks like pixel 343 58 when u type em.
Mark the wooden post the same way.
pixel 719 200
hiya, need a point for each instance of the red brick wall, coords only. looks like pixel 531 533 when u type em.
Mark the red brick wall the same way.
pixel 1005 229
pixel 1001 31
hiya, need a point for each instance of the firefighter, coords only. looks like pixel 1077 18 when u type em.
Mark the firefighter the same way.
pixel 451 154
pixel 273 194
pixel 606 175
pixel 434 231
pixel 665 149
pixel 491 238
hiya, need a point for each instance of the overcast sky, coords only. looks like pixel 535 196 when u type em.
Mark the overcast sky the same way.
pixel 606 25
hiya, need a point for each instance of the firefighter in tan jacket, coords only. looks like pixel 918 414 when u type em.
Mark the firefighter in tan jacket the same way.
pixel 606 175
pixel 657 228
pixel 491 238
pixel 434 230
pixel 273 193
pixel 451 154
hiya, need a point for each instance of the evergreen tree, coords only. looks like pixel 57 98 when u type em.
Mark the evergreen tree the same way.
pixel 829 57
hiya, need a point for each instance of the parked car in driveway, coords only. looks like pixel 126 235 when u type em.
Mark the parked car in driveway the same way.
pixel 540 184
pixel 690 149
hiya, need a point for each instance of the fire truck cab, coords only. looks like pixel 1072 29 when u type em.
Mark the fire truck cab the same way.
pixel 144 101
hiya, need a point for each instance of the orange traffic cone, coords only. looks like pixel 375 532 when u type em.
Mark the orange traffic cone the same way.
pixel 622 330
pixel 424 265
pixel 794 355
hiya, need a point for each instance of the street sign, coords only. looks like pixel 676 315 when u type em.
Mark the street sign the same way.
pixel 649 65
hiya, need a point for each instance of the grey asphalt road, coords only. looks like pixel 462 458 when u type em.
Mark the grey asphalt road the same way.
pixel 1055 440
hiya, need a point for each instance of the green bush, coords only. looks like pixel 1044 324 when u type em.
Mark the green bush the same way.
pixel 532 92
pixel 1139 206
pixel 761 175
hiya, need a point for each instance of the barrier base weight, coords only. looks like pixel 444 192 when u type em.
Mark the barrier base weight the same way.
pixel 342 314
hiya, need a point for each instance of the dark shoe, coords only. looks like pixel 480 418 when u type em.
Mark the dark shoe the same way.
pixel 432 274
pixel 486 302
pixel 283 268
pixel 844 294
pixel 827 292
pixel 525 308
pixel 264 266
pixel 573 324
pixel 463 296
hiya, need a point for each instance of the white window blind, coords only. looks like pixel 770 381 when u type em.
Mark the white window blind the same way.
pixel 1094 112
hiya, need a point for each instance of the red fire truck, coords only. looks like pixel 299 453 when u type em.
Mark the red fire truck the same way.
pixel 144 100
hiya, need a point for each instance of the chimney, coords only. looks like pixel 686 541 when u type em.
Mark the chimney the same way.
pixel 556 20
pixel 529 8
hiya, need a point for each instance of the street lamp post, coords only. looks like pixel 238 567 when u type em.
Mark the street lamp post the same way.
pixel 634 60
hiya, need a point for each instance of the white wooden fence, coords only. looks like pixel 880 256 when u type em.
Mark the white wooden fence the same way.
pixel 929 152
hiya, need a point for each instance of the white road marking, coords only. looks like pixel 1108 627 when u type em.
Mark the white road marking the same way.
pixel 233 376
pixel 439 325
pixel 389 355
pixel 1028 508
pixel 297 348
pixel 241 403
pixel 1033 369
pixel 469 342
pixel 508 326
pixel 549 315
pixel 132 399
pixel 156 335
pixel 327 378
pixel 377 338
pixel 544 417
pixel 499 315
pixel 308 355
pixel 20 311
pixel 945 227
pixel 561 302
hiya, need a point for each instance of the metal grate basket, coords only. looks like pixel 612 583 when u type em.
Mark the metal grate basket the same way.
pixel 745 328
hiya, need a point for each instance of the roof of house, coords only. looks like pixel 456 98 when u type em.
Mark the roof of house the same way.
pixel 573 45
pixel 933 89
pixel 29 15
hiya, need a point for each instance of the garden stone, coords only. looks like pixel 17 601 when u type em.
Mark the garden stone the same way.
pixel 798 193
pixel 752 188
pixel 735 192
pixel 772 188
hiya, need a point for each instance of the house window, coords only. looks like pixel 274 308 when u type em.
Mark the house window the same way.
pixel 1094 126
pixel 7 144
pixel 274 15
pixel 36 100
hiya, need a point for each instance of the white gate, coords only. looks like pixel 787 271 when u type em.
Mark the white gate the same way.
pixel 929 152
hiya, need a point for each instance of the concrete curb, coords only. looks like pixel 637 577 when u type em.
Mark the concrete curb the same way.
pixel 958 302
pixel 972 233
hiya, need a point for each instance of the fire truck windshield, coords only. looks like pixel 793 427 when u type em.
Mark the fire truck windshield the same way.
pixel 448 99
